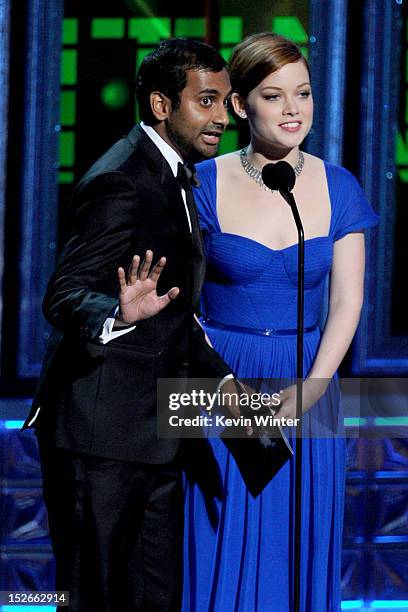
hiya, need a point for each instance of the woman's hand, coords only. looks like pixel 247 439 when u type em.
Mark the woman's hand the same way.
pixel 313 389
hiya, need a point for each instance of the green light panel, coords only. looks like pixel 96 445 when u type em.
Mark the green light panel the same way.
pixel 108 28
pixel 402 151
pixel 230 30
pixel 70 31
pixel 68 108
pixel 69 67
pixel 68 100
pixel 149 30
pixel 193 27
pixel 67 148
pixel 229 141
pixel 290 27
pixel 65 177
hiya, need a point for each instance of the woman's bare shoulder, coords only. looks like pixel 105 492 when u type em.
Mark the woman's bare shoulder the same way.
pixel 314 167
pixel 228 164
pixel 313 159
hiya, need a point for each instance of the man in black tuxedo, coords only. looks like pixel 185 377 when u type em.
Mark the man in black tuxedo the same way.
pixel 112 488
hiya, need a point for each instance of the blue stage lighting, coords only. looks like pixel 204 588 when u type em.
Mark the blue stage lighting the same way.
pixel 12 424
pixel 352 604
pixel 383 604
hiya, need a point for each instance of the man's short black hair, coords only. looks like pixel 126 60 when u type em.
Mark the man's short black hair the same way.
pixel 165 70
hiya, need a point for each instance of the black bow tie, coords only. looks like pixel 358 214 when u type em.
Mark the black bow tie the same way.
pixel 187 176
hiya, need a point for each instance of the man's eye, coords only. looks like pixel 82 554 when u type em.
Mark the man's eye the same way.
pixel 206 101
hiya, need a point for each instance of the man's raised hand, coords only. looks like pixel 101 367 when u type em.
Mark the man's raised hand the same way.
pixel 138 297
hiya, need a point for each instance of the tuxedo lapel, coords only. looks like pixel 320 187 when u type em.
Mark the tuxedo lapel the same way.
pixel 198 248
pixel 165 178
pixel 172 190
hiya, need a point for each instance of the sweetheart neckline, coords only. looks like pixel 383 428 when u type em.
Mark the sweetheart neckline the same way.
pixel 261 244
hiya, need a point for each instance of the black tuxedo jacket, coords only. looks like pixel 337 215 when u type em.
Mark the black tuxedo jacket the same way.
pixel 101 399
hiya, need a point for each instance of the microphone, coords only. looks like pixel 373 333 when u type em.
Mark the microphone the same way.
pixel 279 177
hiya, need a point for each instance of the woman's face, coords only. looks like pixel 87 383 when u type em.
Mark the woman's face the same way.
pixel 280 108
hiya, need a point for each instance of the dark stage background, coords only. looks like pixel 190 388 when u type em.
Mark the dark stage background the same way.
pixel 66 93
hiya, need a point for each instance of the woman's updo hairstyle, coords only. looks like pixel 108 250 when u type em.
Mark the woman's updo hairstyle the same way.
pixel 259 55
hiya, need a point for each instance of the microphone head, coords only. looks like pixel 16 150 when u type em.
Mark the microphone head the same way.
pixel 279 177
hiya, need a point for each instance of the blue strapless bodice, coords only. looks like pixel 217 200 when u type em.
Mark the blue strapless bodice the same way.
pixel 255 286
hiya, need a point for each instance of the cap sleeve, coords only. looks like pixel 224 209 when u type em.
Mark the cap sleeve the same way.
pixel 206 196
pixel 351 212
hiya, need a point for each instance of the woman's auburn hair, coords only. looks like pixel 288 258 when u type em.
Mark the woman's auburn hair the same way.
pixel 259 55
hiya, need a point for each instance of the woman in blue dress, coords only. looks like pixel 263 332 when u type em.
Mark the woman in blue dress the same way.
pixel 245 563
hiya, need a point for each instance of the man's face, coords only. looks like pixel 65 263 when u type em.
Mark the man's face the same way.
pixel 196 125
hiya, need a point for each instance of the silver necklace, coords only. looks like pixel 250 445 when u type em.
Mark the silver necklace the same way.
pixel 256 174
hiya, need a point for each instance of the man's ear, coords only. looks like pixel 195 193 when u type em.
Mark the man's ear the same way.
pixel 160 105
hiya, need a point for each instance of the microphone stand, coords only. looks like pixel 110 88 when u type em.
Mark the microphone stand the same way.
pixel 288 196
